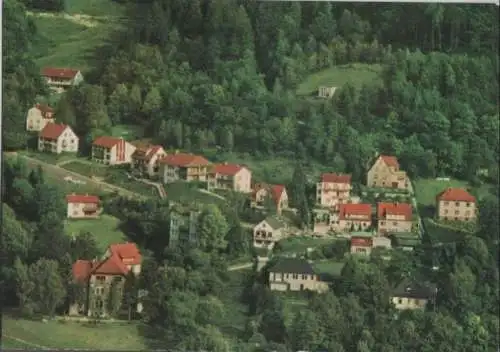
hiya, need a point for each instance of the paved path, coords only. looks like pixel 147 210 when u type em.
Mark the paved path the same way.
pixel 60 172
pixel 240 266
pixel 212 194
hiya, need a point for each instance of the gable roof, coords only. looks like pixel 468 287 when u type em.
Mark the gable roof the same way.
pixel 184 160
pixel 384 209
pixel 409 289
pixel 275 223
pixel 52 130
pixel 127 252
pixel 277 192
pixel 292 265
pixel 110 266
pixel 82 198
pixel 106 141
pixel 335 178
pixel 226 169
pixel 455 195
pixel 44 109
pixel 68 73
pixel 390 161
pixel 81 270
pixel 360 209
pixel 146 152
pixel 359 241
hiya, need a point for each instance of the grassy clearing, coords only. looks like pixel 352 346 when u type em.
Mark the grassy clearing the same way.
pixel 8 342
pixel 299 244
pixel 235 319
pixel 66 43
pixel 292 306
pixel 94 7
pixel 427 189
pixel 355 74
pixel 329 267
pixel 112 176
pixel 105 229
pixel 71 335
pixel 128 132
pixel 183 192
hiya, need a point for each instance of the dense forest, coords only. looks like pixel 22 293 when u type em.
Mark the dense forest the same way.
pixel 201 74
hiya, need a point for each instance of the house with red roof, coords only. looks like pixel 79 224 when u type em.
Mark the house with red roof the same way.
pixel 184 167
pixel 146 159
pixel 385 173
pixel 83 206
pixel 38 116
pixel 277 193
pixel 353 217
pixel 57 138
pixel 97 277
pixel 230 177
pixel 112 151
pixel 365 244
pixel 394 217
pixel 456 204
pixel 332 190
pixel 60 79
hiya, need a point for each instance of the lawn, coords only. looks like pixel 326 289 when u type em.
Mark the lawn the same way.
pixel 329 267
pixel 50 158
pixel 299 244
pixel 355 74
pixel 183 192
pixel 105 229
pixel 112 176
pixel 69 335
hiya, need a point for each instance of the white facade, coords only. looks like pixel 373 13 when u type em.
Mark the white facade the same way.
pixel 66 142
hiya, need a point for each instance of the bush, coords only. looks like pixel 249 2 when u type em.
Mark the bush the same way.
pixel 335 250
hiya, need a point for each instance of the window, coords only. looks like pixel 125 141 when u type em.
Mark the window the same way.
pixel 99 291
pixel 446 203
pixel 295 276
pixel 446 211
pixel 304 277
pixel 100 279
pixel 382 223
pixel 456 212
pixel 467 212
pixel 457 204
pixel 394 223
pixel 72 141
pixel 468 204
pixel 400 301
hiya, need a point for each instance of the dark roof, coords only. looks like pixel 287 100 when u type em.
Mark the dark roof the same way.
pixel 292 265
pixel 408 289
pixel 275 223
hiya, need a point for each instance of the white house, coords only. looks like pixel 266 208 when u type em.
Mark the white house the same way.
pixel 38 116
pixel 57 138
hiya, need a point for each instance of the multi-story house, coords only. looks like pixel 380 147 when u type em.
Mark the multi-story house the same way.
pixel 332 190
pixel 456 204
pixel 294 274
pixel 277 193
pixel 353 217
pixel 394 217
pixel 97 277
pixel 146 159
pixel 269 231
pixel 112 151
pixel 184 167
pixel 412 295
pixel 82 206
pixel 385 173
pixel 230 177
pixel 60 79
pixel 57 138
pixel 128 253
pixel 364 245
pixel 39 116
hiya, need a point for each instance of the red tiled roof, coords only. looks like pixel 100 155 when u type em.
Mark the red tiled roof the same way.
pixel 335 178
pixel 404 209
pixel 81 270
pixel 110 266
pixel 364 210
pixel 391 161
pixel 277 192
pixel 44 108
pixel 127 251
pixel 106 141
pixel 146 152
pixel 361 241
pixel 455 195
pixel 183 160
pixel 59 72
pixel 82 198
pixel 52 130
pixel 226 169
